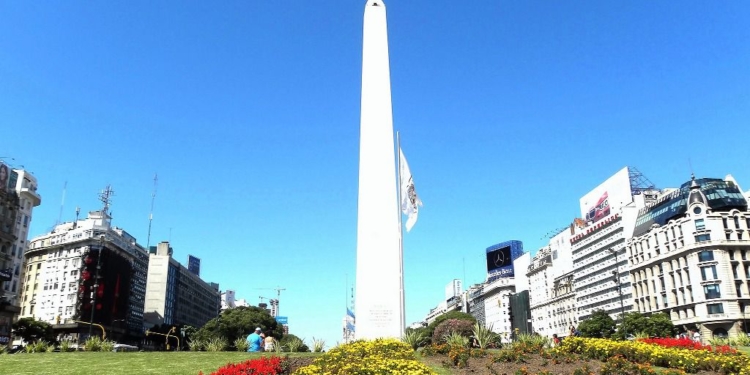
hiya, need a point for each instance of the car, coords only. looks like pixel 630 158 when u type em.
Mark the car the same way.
pixel 125 348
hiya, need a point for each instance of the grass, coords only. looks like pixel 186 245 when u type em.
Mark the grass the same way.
pixel 744 349
pixel 162 363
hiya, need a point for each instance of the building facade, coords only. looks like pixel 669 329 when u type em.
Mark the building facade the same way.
pixel 690 258
pixel 86 271
pixel 175 295
pixel 551 292
pixel 18 197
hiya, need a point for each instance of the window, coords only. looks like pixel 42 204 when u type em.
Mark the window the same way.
pixel 705 256
pixel 715 308
pixel 737 222
pixel 731 255
pixel 712 291
pixel 702 237
pixel 700 225
pixel 738 289
pixel 734 272
pixel 709 273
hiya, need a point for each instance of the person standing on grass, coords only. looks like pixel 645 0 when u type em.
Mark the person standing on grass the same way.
pixel 254 341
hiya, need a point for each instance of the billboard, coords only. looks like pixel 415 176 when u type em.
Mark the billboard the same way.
pixel 500 258
pixel 609 196
pixel 282 319
pixel 194 265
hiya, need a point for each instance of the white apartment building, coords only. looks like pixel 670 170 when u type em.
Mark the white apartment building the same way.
pixel 60 274
pixel 551 292
pixel 690 258
pixel 600 266
pixel 453 289
pixel 24 184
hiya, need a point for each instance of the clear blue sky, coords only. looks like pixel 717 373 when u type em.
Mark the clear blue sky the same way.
pixel 509 111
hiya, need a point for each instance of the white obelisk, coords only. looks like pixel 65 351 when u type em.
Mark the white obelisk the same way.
pixel 378 305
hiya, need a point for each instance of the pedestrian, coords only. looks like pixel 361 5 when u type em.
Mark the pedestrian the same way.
pixel 254 341
pixel 555 339
pixel 269 343
pixel 697 336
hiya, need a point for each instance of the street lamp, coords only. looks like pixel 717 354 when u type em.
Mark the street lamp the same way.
pixel 96 283
pixel 616 274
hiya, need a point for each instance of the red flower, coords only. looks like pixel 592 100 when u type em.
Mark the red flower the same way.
pixel 260 366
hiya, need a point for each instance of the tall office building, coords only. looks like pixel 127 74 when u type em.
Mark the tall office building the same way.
pixel 175 295
pixel 379 305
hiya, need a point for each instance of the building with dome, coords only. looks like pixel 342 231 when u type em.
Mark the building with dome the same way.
pixel 689 257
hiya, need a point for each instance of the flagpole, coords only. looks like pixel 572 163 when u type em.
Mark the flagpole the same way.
pixel 402 313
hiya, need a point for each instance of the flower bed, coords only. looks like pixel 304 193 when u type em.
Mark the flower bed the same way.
pixel 688 360
pixel 260 366
pixel 380 356
pixel 686 343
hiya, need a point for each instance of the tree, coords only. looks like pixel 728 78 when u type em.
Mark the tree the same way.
pixel 33 330
pixel 599 324
pixel 240 322
pixel 461 326
pixel 635 323
pixel 660 325
pixel 430 330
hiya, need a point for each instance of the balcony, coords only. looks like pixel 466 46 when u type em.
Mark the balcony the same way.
pixel 32 195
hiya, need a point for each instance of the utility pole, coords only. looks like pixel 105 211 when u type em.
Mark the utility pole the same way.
pixel 95 288
pixel 616 274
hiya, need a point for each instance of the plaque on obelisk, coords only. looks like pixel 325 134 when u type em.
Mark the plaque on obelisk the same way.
pixel 378 302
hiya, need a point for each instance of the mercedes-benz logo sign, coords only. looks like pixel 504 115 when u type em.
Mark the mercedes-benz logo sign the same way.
pixel 500 259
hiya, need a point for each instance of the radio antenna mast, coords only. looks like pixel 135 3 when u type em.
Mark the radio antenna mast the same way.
pixel 151 213
pixel 62 203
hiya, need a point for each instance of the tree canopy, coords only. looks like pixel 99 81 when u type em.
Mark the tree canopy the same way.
pixel 599 324
pixel 32 330
pixel 429 331
pixel 240 322
pixel 655 325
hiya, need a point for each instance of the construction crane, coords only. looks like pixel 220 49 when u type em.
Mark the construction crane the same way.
pixel 278 296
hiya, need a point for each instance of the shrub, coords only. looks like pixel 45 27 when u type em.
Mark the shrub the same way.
pixel 107 346
pixel 66 346
pixel 196 345
pixel 318 345
pixel 414 338
pixel 241 344
pixel 216 344
pixel 295 344
pixel 93 344
pixel 456 340
pixel 484 334
pixel 462 327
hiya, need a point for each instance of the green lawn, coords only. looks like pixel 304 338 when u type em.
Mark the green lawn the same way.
pixel 163 363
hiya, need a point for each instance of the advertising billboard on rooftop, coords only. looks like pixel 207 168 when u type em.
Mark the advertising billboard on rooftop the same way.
pixel 607 198
pixel 500 258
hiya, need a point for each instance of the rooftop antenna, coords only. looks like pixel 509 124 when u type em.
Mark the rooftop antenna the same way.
pixel 151 213
pixel 62 203
pixel 78 212
pixel 106 198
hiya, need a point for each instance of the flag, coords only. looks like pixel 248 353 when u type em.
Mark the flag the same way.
pixel 409 200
